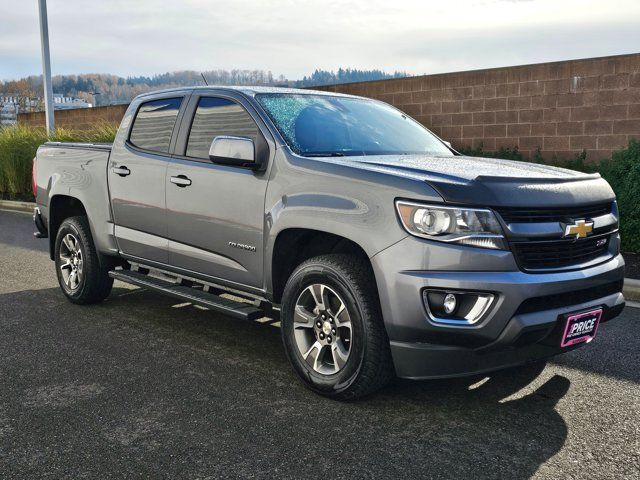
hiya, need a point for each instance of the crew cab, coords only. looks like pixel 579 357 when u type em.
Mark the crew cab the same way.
pixel 380 249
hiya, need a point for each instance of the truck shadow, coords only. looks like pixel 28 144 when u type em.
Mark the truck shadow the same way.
pixel 504 425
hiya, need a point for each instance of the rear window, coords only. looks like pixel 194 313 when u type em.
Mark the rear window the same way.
pixel 218 116
pixel 153 125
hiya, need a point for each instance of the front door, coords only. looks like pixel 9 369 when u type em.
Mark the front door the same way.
pixel 137 176
pixel 215 213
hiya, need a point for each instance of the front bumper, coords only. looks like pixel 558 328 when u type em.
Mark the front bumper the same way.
pixel 423 361
pixel 521 327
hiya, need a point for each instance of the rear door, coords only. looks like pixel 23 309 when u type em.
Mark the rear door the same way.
pixel 215 213
pixel 137 176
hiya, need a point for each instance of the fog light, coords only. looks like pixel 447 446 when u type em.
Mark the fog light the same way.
pixel 459 308
pixel 449 303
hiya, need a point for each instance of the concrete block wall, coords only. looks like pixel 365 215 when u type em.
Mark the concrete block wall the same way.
pixel 562 108
pixel 78 118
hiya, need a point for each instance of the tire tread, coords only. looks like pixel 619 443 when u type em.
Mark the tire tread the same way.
pixel 377 365
pixel 98 284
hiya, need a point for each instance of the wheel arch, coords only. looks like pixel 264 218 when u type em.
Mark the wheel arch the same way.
pixel 62 207
pixel 293 246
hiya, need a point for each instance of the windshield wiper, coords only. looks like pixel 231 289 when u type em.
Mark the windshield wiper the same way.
pixel 323 154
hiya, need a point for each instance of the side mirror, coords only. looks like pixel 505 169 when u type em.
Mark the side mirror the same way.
pixel 228 150
pixel 448 144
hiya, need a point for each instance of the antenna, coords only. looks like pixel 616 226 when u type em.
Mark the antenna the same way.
pixel 205 80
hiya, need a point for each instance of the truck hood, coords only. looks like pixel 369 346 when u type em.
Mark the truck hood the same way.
pixel 492 182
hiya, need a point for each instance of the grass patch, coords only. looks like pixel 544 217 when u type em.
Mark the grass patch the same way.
pixel 18 146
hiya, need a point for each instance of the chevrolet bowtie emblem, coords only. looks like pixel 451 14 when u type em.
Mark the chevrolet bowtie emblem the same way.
pixel 581 228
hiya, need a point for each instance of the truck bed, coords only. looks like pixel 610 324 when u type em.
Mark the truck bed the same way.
pixel 84 146
pixel 76 174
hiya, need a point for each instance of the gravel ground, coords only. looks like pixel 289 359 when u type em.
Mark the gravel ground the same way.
pixel 142 387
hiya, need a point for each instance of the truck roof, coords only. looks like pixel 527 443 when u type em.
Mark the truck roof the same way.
pixel 250 90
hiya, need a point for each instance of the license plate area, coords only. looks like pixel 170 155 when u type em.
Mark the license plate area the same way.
pixel 580 327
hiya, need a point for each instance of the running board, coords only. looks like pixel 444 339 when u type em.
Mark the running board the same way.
pixel 242 310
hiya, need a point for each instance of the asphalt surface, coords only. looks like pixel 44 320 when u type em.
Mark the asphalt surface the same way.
pixel 142 387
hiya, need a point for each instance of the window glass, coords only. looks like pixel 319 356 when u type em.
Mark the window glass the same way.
pixel 214 117
pixel 153 125
pixel 324 125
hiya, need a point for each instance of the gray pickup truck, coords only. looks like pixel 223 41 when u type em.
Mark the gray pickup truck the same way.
pixel 381 250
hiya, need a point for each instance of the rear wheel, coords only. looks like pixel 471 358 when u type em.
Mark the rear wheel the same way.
pixel 81 276
pixel 332 327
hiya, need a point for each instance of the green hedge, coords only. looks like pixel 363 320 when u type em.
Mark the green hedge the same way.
pixel 622 171
pixel 18 145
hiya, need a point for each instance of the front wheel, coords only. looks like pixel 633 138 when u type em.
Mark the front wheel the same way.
pixel 81 276
pixel 332 327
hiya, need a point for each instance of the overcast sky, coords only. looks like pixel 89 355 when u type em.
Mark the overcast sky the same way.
pixel 133 37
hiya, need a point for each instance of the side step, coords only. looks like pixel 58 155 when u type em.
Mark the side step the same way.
pixel 213 302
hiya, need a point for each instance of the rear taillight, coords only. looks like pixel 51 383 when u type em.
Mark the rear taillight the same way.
pixel 34 182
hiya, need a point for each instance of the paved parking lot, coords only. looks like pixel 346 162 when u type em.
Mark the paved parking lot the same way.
pixel 140 387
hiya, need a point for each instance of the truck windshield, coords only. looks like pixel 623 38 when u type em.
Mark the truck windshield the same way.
pixel 323 125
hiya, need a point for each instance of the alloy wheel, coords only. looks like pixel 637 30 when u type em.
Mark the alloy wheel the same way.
pixel 322 329
pixel 71 261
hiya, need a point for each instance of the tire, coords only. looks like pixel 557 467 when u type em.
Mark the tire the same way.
pixel 320 361
pixel 75 252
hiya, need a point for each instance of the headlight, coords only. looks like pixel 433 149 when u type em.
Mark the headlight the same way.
pixel 467 226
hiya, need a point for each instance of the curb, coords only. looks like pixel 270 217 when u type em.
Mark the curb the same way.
pixel 17 206
pixel 631 290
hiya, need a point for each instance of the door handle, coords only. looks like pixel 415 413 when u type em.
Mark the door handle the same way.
pixel 122 171
pixel 181 181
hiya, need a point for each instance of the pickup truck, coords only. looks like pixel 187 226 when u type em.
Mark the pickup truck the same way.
pixel 380 250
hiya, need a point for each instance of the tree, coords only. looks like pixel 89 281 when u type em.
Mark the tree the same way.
pixel 115 89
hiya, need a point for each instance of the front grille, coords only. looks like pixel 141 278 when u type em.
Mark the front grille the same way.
pixel 559 253
pixel 563 214
pixel 550 251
